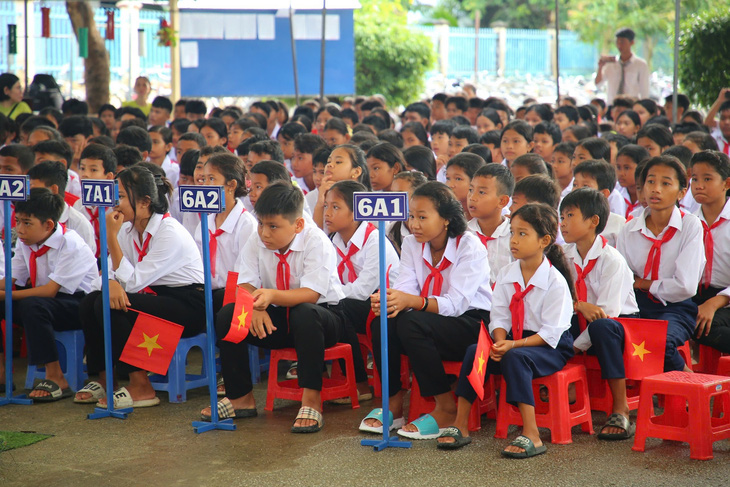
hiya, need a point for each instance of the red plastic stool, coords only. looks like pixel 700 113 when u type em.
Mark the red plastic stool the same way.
pixel 423 405
pixel 709 360
pixel 723 366
pixel 332 388
pixel 687 396
pixel 558 415
pixel 686 352
pixel 598 391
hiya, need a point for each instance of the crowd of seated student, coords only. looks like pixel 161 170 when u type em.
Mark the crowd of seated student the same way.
pixel 542 222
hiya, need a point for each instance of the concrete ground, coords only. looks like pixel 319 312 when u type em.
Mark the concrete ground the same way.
pixel 157 446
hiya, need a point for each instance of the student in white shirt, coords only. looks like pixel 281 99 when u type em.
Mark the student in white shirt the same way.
pixel 684 154
pixel 290 268
pixel 516 140
pixel 625 74
pixel 161 138
pixel 53 175
pixel 155 267
pixel 489 194
pixel 319 164
pixel 537 287
pixel 58 268
pixel 710 183
pixel 562 164
pixel 627 161
pixel 358 268
pixel 434 308
pixel 405 182
pixel 601 176
pixel 59 150
pixel 230 229
pixel 261 176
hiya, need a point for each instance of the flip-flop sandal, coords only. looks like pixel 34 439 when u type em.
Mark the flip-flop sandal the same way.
pixel 617 420
pixel 292 372
pixel 377 413
pixel 123 399
pixel 346 401
pixel 526 444
pixel 221 392
pixel 459 439
pixel 427 429
pixel 226 410
pixel 95 389
pixel 54 390
pixel 306 412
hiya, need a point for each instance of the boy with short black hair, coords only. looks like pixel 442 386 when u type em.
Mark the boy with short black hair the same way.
pixel 188 141
pixel 562 164
pixel 290 268
pixel 286 135
pixel 460 137
pixel 265 150
pixel 76 130
pixel 493 141
pixel 459 172
pixel 160 112
pixel 16 159
pixel 58 268
pixel 537 188
pixel 546 136
pixel 305 145
pixel 565 116
pixel 440 137
pixel 601 176
pixel 456 105
pixel 161 138
pixel 136 137
pixel 195 110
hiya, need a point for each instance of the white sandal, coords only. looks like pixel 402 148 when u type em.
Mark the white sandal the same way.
pixel 95 389
pixel 123 399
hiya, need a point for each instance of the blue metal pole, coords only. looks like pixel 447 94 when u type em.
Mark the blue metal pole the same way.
pixel 9 398
pixel 105 313
pixel 226 424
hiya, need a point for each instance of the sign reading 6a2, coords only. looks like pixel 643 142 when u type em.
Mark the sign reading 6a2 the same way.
pixel 373 206
pixel 14 188
pixel 202 199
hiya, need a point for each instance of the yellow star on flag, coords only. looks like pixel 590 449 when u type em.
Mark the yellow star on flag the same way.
pixel 242 319
pixel 149 343
pixel 481 363
pixel 639 350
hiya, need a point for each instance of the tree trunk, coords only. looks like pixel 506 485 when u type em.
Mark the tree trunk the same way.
pixel 96 66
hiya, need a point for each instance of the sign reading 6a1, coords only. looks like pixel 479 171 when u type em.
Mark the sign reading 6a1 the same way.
pixel 100 192
pixel 373 206
pixel 202 199
pixel 14 188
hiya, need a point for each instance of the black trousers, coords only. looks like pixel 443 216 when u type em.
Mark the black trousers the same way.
pixel 427 339
pixel 41 317
pixel 310 329
pixel 356 314
pixel 719 336
pixel 182 305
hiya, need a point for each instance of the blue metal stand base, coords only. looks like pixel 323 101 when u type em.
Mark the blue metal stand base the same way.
pixel 392 442
pixel 20 399
pixel 203 426
pixel 105 413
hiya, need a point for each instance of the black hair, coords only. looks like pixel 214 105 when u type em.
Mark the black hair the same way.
pixel 73 106
pixel 480 150
pixel 590 202
pixel 140 183
pixel 600 170
pixel 464 132
pixel 680 152
pixel 570 112
pixel 596 147
pixel 195 137
pixel 23 154
pixel 195 106
pixel 181 102
pixel 534 164
pixel 442 97
pixel 209 150
pixel 308 143
pixel 321 156
pixel 304 110
pixel 567 148
pixel 416 128
pixel 218 126
pixel 624 101
pixel 280 198
pixel 136 137
pixel 346 189
pixel 670 162
pixel 632 115
pixel 443 127
pixel 499 105
pixel 447 206
pixel 415 178
pixel 491 114
pixel 579 131
pixel 634 152
pixel 650 106
pixel 303 120
pixel 659 134
pixel 364 129
pixel 476 102
pixel 245 146
pixel 256 131
pixel 76 124
pixel 461 120
pixel 102 153
pixel 539 188
pixel 136 122
pixel 521 127
pixel 274 171
pixel 338 125
pixel 134 111
pixel 374 121
pixel 7 80
pixel 270 148
pixel 188 162
pixel 180 125
pixel 503 176
pixel 725 106
pixel 682 100
pixel 59 148
pixel 493 137
pixel 421 159
pixel 719 161
pixel 544 219
pixel 162 102
pixel 350 114
pixel 103 140
pixel 232 112
pixel 620 140
pixel 41 204
pixel 468 162
pixel 550 129
pixel 461 103
pixel 600 102
pixel 49 173
pixel 290 130
pixel 626 33
pixel 702 140
pixel 362 136
pixel 392 137
pixel 99 125
pixel 127 155
pixel 263 106
pixel 164 132
pixel 543 111
pixel 357 159
pixel 36 121
pixel 639 172
pixel 330 108
pixel 420 108
pixel 232 169
pixel 688 127
pixel 388 153
pixel 585 115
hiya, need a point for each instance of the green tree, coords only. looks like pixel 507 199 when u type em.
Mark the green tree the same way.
pixel 704 54
pixel 390 58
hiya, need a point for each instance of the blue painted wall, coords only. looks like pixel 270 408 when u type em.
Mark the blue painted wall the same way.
pixel 264 67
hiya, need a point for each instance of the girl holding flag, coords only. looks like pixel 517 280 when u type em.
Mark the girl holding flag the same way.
pixel 530 325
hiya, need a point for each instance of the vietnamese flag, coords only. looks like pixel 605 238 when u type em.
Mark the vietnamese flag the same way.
pixel 644 344
pixel 479 369
pixel 152 343
pixel 241 322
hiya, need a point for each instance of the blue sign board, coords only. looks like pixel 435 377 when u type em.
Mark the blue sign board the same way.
pixel 100 192
pixel 202 199
pixel 386 206
pixel 14 188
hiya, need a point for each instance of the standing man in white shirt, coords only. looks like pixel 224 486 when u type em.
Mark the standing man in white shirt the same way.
pixel 625 74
